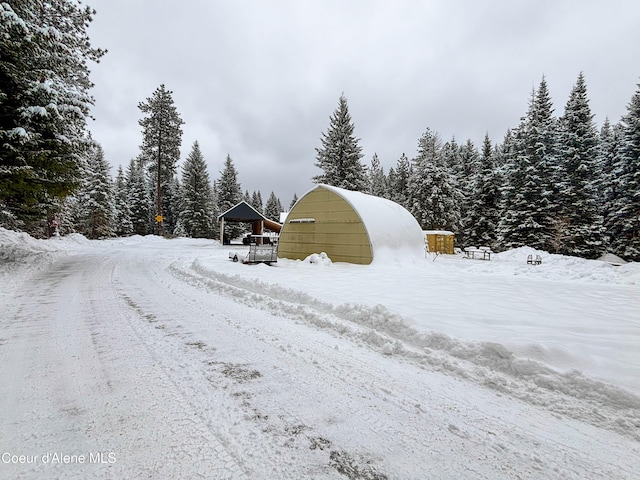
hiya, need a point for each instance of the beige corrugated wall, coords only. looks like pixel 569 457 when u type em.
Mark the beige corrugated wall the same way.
pixel 336 230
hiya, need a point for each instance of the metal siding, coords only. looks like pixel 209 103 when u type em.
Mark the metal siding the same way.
pixel 338 230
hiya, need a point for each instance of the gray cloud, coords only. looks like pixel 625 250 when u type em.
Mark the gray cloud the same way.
pixel 258 80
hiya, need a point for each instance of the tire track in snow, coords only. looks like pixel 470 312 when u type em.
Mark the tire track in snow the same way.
pixel 488 439
pixel 211 383
pixel 568 394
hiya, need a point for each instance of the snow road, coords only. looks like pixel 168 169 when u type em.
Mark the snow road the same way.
pixel 135 362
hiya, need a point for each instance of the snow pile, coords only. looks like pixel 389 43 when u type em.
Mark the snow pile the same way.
pixel 488 363
pixel 17 246
pixel 318 259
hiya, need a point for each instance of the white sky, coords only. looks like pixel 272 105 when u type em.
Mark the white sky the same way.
pixel 258 80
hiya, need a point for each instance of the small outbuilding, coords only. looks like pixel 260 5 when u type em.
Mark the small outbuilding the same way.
pixel 440 241
pixel 242 212
pixel 349 227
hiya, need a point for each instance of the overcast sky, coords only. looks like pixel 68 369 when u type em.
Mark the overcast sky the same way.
pixel 259 79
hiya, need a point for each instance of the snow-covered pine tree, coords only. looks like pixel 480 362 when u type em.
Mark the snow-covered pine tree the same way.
pixel 528 208
pixel 484 208
pixel 609 144
pixel 624 221
pixel 399 182
pixel 578 211
pixel 45 101
pixel 256 201
pixel 376 179
pixel 161 140
pixel 96 205
pixel 122 212
pixel 228 193
pixel 432 187
pixel 196 213
pixel 339 157
pixel 463 162
pixel 138 197
pixel 273 208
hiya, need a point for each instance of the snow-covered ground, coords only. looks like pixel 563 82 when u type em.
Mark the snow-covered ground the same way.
pixel 153 358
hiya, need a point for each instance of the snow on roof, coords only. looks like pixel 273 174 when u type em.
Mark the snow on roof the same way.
pixel 390 226
pixel 437 232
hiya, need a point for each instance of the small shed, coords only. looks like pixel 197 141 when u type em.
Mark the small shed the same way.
pixel 349 227
pixel 440 241
pixel 242 212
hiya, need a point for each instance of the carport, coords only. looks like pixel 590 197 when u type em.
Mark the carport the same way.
pixel 245 213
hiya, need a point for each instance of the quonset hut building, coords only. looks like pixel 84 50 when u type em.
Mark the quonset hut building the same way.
pixel 349 227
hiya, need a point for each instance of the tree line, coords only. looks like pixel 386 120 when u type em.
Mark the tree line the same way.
pixel 553 183
pixel 556 183
pixel 151 196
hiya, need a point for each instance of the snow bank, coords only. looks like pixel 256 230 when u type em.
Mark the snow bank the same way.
pixel 569 393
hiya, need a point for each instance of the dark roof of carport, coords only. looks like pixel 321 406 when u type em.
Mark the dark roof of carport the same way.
pixel 242 212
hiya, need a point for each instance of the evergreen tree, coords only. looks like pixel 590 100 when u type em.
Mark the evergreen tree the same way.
pixel 578 212
pixel 624 221
pixel 528 207
pixel 122 212
pixel 96 198
pixel 293 201
pixel 273 208
pixel 399 182
pixel 44 105
pixel 463 164
pixel 256 201
pixel 339 157
pixel 432 187
pixel 484 212
pixel 376 179
pixel 161 140
pixel 610 174
pixel 228 193
pixel 138 197
pixel 196 214
pixel 247 198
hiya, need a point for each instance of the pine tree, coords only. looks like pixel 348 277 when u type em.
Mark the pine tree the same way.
pixel 256 201
pixel 293 201
pixel 228 193
pixel 138 197
pixel 624 221
pixel 376 179
pixel 273 208
pixel 44 105
pixel 484 212
pixel 610 175
pixel 339 157
pixel 432 187
pixel 528 207
pixel 578 211
pixel 399 182
pixel 463 164
pixel 196 214
pixel 96 198
pixel 122 222
pixel 161 140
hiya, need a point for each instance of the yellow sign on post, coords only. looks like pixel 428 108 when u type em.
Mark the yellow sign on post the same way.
pixel 159 218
